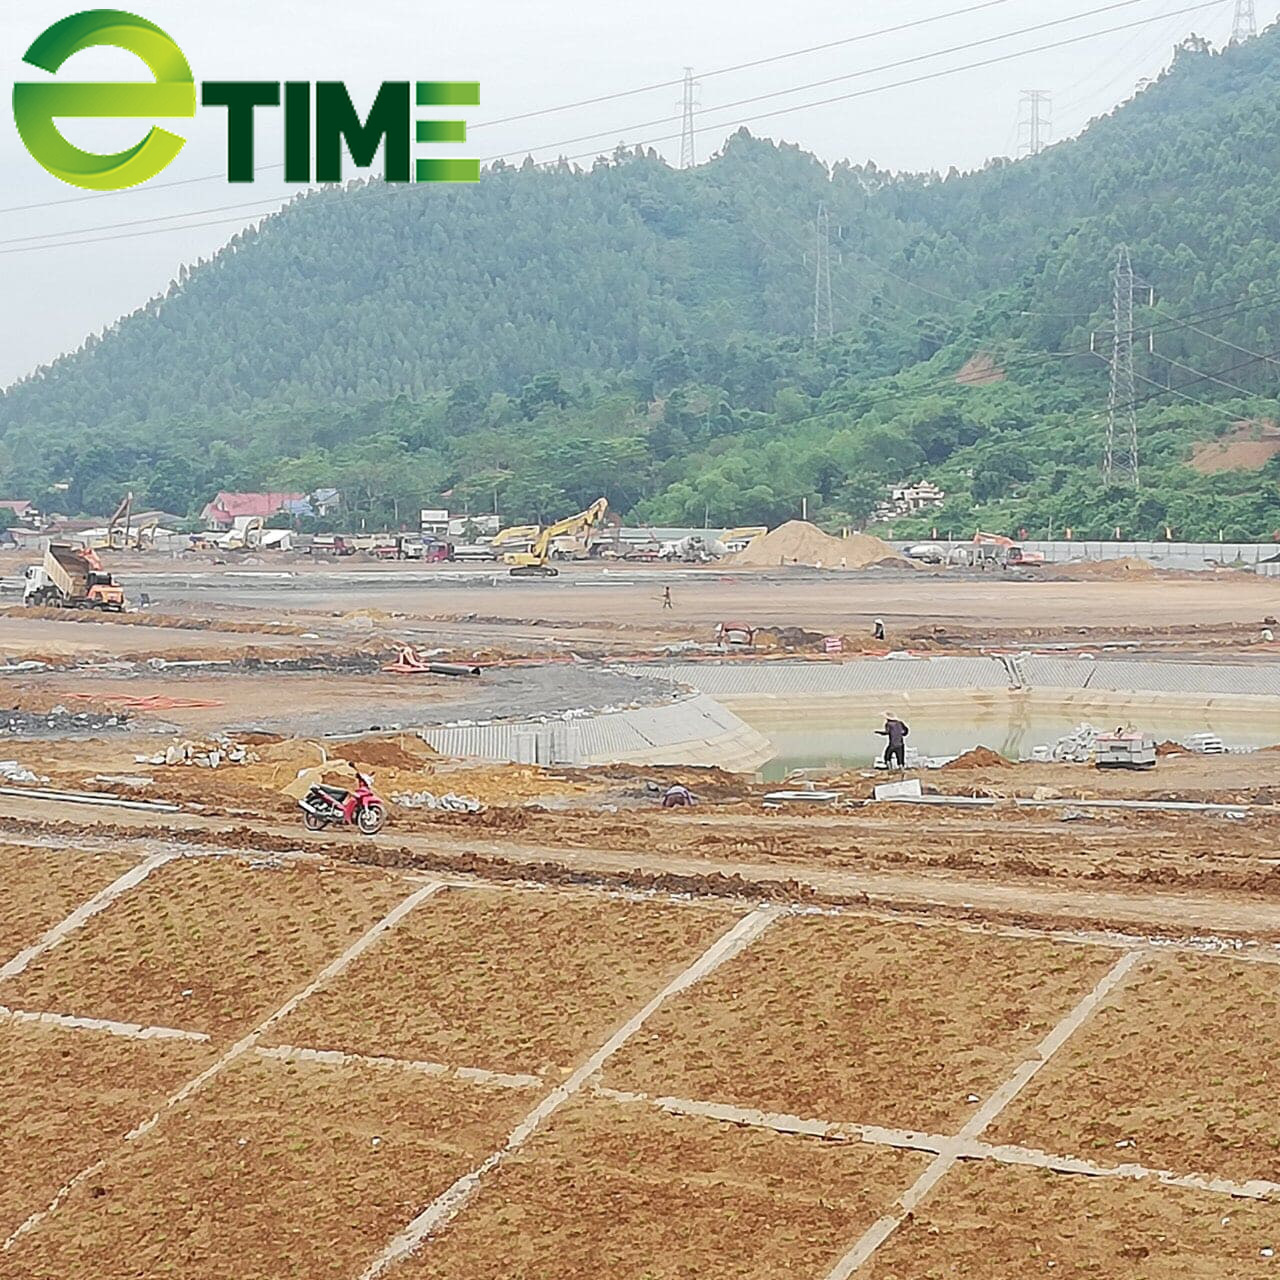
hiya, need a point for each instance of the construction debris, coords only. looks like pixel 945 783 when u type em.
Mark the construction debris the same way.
pixel 12 771
pixel 1080 746
pixel 57 721
pixel 1076 747
pixel 212 754
pixel 448 803
pixel 908 790
pixel 411 661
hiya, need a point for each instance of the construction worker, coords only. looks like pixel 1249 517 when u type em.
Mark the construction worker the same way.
pixel 877 630
pixel 677 797
pixel 896 748
pixel 666 598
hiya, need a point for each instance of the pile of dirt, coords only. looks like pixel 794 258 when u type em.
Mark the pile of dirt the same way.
pixel 170 622
pixel 979 758
pixel 1126 567
pixel 1170 749
pixel 798 542
pixel 789 639
pixel 404 751
pixel 281 764
pixel 507 784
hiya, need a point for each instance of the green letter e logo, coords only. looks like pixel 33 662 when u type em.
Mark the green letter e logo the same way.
pixel 35 106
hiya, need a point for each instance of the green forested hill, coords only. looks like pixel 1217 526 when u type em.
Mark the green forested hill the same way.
pixel 551 333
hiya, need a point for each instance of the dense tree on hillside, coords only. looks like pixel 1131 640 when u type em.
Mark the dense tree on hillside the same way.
pixel 552 334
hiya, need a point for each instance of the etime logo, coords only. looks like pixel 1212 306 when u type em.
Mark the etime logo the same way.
pixel 319 119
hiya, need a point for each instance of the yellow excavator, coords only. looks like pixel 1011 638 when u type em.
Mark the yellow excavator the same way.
pixel 515 533
pixel 536 562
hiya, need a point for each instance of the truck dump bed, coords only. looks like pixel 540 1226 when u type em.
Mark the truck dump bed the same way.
pixel 68 570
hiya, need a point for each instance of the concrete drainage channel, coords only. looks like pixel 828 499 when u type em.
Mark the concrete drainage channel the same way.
pixel 818 713
pixel 743 715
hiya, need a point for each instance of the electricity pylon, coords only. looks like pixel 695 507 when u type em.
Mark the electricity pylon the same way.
pixel 824 322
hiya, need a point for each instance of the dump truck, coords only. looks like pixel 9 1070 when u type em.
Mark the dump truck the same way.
pixel 71 578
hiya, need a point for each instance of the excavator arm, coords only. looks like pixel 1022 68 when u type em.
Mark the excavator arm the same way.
pixel 536 561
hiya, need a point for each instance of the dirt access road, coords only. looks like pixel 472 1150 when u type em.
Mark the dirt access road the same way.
pixel 590 600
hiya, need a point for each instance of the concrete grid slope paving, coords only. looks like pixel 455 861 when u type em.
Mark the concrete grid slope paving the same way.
pixel 241 1047
pixel 587 739
pixel 906 675
pixel 942 1164
pixel 881 675
pixel 1041 672
pixel 1196 678
pixel 441 1211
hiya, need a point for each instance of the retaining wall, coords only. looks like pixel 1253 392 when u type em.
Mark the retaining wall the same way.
pixel 1029 671
pixel 692 730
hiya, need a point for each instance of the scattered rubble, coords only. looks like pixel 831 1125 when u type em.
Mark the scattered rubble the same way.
pixel 448 803
pixel 210 754
pixel 58 721
pixel 12 771
pixel 1080 746
pixel 1076 747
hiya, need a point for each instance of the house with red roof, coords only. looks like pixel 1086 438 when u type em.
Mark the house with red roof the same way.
pixel 23 512
pixel 226 508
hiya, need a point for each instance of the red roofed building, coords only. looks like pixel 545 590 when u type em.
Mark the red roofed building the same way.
pixel 227 508
pixel 23 511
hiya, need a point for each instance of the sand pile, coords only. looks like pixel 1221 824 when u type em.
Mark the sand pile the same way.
pixel 979 758
pixel 1108 570
pixel 798 542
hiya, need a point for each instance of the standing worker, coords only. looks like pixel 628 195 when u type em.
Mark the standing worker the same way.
pixel 666 598
pixel 896 749
pixel 877 631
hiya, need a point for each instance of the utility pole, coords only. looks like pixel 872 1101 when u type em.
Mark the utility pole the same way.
pixel 1034 123
pixel 687 105
pixel 1245 26
pixel 824 323
pixel 1122 402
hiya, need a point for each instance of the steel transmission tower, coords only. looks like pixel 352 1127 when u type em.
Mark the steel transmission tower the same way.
pixel 687 106
pixel 1034 123
pixel 1122 406
pixel 824 323
pixel 1245 26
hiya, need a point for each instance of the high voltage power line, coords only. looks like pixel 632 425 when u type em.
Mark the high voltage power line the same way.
pixel 685 133
pixel 569 106
pixel 888 66
pixel 747 66
pixel 1209 377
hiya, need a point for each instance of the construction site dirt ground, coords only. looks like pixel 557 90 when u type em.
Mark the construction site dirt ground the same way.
pixel 621 608
pixel 572 1035
pixel 455 1074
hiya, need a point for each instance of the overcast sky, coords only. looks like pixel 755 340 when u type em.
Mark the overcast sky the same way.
pixel 528 55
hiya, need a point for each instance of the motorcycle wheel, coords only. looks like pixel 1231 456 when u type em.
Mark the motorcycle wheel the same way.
pixel 370 819
pixel 312 822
